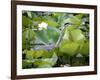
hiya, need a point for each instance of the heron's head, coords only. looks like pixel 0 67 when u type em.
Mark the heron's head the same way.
pixel 68 24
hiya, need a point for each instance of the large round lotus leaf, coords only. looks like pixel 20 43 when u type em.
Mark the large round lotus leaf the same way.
pixel 76 35
pixel 48 36
pixel 69 48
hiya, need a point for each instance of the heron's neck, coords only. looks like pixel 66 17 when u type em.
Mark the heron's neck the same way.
pixel 60 37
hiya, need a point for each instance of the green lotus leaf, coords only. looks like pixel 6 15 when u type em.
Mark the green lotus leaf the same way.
pixel 76 35
pixel 26 21
pixel 26 64
pixel 69 48
pixel 84 49
pixel 46 62
pixel 73 20
pixel 29 54
pixel 28 35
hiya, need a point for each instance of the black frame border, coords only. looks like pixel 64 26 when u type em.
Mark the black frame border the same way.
pixel 14 4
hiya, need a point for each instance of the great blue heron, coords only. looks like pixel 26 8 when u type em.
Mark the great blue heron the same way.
pixel 52 46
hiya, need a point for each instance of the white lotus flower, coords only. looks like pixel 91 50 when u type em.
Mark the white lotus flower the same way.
pixel 42 25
